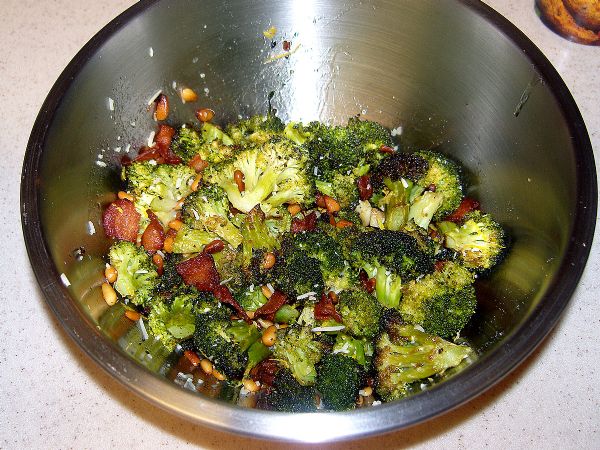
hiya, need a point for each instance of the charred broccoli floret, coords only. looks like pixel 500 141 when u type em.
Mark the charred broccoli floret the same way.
pixel 339 378
pixel 297 350
pixel 209 143
pixel 405 355
pixel 478 239
pixel 441 302
pixel 256 235
pixel 297 274
pixel 361 349
pixel 137 277
pixel 170 278
pixel 288 395
pixel 361 312
pixel 191 240
pixel 256 129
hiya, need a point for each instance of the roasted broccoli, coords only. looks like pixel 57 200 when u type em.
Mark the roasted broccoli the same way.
pixel 170 278
pixel 298 274
pixel 190 240
pixel 405 355
pixel 361 349
pixel 208 209
pixel 478 239
pixel 209 143
pixel 441 302
pixel 297 350
pixel 286 394
pixel 256 235
pixel 361 313
pixel 339 378
pixel 256 129
pixel 137 277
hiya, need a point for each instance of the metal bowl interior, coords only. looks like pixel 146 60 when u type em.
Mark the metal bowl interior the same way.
pixel 454 75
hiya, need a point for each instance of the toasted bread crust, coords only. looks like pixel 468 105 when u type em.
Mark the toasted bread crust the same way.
pixel 585 12
pixel 558 17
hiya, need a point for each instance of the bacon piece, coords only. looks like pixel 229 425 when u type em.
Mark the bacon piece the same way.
pixel 163 142
pixel 466 206
pixel 149 153
pixel 200 272
pixel 365 187
pixel 309 223
pixel 386 149
pixel 223 294
pixel 153 237
pixel 367 283
pixel 265 371
pixel 268 310
pixel 325 309
pixel 121 220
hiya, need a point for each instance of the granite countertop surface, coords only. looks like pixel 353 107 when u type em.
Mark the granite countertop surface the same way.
pixel 53 396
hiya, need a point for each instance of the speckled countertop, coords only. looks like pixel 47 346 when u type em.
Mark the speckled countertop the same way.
pixel 54 396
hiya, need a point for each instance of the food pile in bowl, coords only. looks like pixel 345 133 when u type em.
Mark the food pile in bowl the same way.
pixel 296 267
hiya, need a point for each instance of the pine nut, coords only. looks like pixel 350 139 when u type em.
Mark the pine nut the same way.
pixel 179 204
pixel 168 244
pixel 269 260
pixel 125 196
pixel 238 177
pixel 175 224
pixel 294 209
pixel 269 336
pixel 250 385
pixel 109 294
pixel 367 391
pixel 192 357
pixel 205 114
pixel 132 315
pixel 331 204
pixel 162 108
pixel 250 314
pixel 111 274
pixel 188 95
pixel 198 164
pixel 214 246
pixel 158 262
pixel 206 366
pixel 196 184
pixel 266 291
pixel 343 223
pixel 218 375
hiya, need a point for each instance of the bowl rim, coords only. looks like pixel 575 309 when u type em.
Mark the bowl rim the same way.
pixel 325 426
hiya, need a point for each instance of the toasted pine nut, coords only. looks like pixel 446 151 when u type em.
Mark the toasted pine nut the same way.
pixel 264 323
pixel 250 385
pixel 198 164
pixel 110 273
pixel 158 262
pixel 168 244
pixel 218 375
pixel 367 391
pixel 331 204
pixel 343 223
pixel 192 357
pixel 109 294
pixel 269 260
pixel 206 366
pixel 162 107
pixel 125 196
pixel 238 177
pixel 294 209
pixel 175 224
pixel 196 184
pixel 269 336
pixel 132 315
pixel 333 296
pixel 360 400
pixel 266 291
pixel 188 95
pixel 250 314
pixel 205 114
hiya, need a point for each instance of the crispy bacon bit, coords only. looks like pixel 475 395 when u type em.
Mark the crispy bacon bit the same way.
pixel 365 188
pixel 162 107
pixel 163 142
pixel 325 309
pixel 265 371
pixel 121 220
pixel 386 149
pixel 149 153
pixel 223 294
pixel 197 163
pixel 332 220
pixel 214 247
pixel 153 237
pixel 200 272
pixel 320 200
pixel 367 283
pixel 439 266
pixel 268 310
pixel 466 206
pixel 333 296
pixel 309 223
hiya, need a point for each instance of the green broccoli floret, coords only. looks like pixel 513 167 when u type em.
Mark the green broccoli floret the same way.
pixel 443 178
pixel 371 136
pixel 208 209
pixel 479 240
pixel 190 240
pixel 210 143
pixel 137 277
pixel 251 299
pixel 274 173
pixel 256 235
pixel 405 355
pixel 158 187
pixel 359 349
pixel 229 264
pixel 441 302
pixel 393 258
pixel 170 278
pixel 256 129
pixel 339 378
pixel 296 132
pixel 361 313
pixel 223 341
pixel 297 350
pixel 297 274
pixel 288 395
pixel 172 320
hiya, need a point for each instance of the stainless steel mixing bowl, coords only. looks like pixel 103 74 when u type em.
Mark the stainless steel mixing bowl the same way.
pixel 453 74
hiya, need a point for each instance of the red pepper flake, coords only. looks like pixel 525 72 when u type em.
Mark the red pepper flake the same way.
pixel 308 223
pixel 365 188
pixel 439 266
pixel 325 309
pixel 466 206
pixel 121 220
pixel 153 237
pixel 287 45
pixel 223 294
pixel 268 310
pixel 200 272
